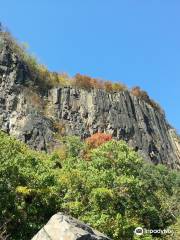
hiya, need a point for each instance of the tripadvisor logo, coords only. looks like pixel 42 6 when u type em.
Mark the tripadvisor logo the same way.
pixel 140 231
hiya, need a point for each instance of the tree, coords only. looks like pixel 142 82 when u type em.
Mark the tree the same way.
pixel 27 183
pixel 83 81
pixel 108 86
pixel 115 191
pixel 118 87
pixel 98 139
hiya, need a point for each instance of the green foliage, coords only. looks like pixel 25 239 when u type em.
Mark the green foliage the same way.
pixel 114 191
pixel 74 145
pixel 27 188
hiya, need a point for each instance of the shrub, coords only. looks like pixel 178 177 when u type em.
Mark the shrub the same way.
pixel 118 87
pixel 136 91
pixel 114 87
pixel 60 127
pixel 63 79
pixel 97 83
pixel 108 86
pixel 98 139
pixel 86 82
pixel 74 145
pixel 83 81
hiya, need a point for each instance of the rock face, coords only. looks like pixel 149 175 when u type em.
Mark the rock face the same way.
pixel 62 227
pixel 34 117
pixel 20 111
pixel 120 114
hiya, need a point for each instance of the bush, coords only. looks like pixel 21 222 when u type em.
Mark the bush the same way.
pixel 98 139
pixel 108 86
pixel 114 87
pixel 83 81
pixel 86 82
pixel 136 91
pixel 118 87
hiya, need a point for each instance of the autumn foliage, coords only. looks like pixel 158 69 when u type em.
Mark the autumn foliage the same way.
pixel 138 92
pixel 98 139
pixel 46 79
pixel 82 81
pixel 86 82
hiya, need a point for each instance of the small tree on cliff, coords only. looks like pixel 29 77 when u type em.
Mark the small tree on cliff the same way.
pixel 98 139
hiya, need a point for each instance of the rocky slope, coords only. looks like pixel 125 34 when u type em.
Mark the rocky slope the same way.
pixel 35 117
pixel 62 227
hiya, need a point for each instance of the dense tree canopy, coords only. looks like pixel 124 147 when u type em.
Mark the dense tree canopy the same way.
pixel 114 190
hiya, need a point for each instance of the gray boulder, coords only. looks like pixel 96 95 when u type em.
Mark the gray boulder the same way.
pixel 63 227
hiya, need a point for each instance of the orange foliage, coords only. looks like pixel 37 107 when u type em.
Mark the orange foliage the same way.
pixel 108 86
pixel 98 84
pixel 136 91
pixel 98 139
pixel 82 81
pixel 86 82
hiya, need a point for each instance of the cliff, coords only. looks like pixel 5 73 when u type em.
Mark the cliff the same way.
pixel 35 115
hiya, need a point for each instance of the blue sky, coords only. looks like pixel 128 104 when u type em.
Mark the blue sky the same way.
pixel 133 41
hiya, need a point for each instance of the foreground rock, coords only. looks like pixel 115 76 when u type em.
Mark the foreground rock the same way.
pixel 62 227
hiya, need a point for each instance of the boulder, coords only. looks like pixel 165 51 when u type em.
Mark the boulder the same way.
pixel 63 227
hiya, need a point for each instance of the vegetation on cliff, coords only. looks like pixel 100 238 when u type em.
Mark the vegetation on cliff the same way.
pixel 46 79
pixel 113 189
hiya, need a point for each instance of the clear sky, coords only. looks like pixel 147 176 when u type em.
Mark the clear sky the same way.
pixel 133 41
